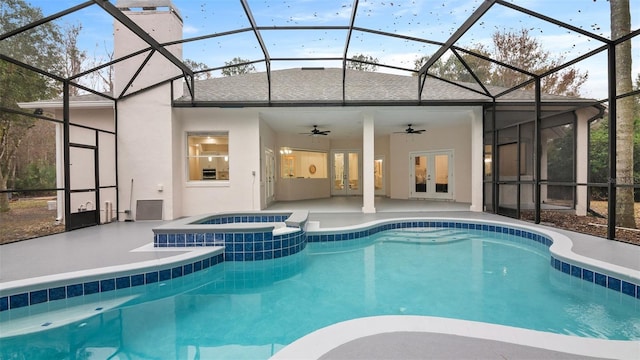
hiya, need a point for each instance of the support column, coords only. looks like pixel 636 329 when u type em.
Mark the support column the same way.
pixel 582 166
pixel 477 161
pixel 368 158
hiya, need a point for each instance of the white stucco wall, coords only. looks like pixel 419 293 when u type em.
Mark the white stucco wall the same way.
pixel 165 26
pixel 145 121
pixel 456 138
pixel 145 150
pixel 242 191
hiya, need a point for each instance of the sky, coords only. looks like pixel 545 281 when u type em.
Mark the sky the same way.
pixel 434 20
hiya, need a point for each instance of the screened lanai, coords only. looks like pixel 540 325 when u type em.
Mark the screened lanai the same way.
pixel 548 79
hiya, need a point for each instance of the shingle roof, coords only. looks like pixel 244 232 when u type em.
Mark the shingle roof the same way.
pixel 325 85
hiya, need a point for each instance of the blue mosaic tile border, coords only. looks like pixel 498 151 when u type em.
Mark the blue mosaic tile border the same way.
pixel 591 276
pixel 583 273
pixel 430 224
pixel 262 246
pixel 239 246
pixel 15 301
pixel 191 239
pixel 233 219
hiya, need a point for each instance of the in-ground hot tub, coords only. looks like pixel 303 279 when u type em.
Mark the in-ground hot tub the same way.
pixel 246 236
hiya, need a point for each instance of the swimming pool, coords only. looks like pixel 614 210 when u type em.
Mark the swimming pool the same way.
pixel 253 309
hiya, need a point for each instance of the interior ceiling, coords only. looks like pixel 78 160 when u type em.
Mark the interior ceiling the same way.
pixel 346 123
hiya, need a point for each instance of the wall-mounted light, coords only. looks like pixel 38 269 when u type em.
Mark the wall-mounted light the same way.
pixel 226 158
pixel 210 158
pixel 285 151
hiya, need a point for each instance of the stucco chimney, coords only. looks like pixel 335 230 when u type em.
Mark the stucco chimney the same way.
pixel 160 19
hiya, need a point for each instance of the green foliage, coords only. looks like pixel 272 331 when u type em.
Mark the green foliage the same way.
pixel 599 155
pixel 237 66
pixel 560 157
pixel 39 47
pixel 36 175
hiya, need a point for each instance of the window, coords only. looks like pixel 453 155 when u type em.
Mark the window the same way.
pixel 303 164
pixel 208 156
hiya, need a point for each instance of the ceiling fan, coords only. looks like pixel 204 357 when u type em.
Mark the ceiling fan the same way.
pixel 410 130
pixel 315 131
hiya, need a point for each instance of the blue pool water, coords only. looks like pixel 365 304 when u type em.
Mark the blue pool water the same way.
pixel 250 310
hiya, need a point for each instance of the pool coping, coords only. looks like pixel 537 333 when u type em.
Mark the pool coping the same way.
pixel 322 341
pixel 188 255
pixel 295 219
pixel 623 280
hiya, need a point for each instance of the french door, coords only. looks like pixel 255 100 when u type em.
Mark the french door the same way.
pixel 270 176
pixel 345 173
pixel 431 175
pixel 378 175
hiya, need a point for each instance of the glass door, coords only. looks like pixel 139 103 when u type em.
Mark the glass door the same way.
pixel 346 173
pixel 378 175
pixel 270 176
pixel 432 175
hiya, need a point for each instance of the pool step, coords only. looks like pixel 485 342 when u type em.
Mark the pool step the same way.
pixel 426 236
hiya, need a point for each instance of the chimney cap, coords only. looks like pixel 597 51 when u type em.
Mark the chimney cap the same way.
pixel 147 5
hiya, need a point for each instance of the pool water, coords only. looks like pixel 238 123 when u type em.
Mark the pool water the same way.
pixel 250 310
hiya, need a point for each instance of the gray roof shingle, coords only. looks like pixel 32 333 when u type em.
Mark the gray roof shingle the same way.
pixel 325 85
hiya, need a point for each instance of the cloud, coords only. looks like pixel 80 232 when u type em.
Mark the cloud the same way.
pixel 190 30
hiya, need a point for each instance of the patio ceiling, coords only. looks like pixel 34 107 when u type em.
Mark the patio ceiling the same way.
pixel 346 123
pixel 390 34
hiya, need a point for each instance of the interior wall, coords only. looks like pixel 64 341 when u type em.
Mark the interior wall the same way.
pixel 299 189
pixel 456 138
pixel 381 148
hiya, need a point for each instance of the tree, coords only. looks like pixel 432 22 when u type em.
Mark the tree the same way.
pixel 363 63
pixel 519 49
pixel 237 66
pixel 102 78
pixel 38 47
pixel 73 58
pixel 620 26
pixel 198 66
pixel 523 51
pixel 452 68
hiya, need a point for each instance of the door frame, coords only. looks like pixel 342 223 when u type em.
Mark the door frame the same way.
pixel 431 193
pixel 347 191
pixel 84 216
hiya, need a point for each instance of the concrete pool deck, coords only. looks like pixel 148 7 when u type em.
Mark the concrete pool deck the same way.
pixel 127 243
